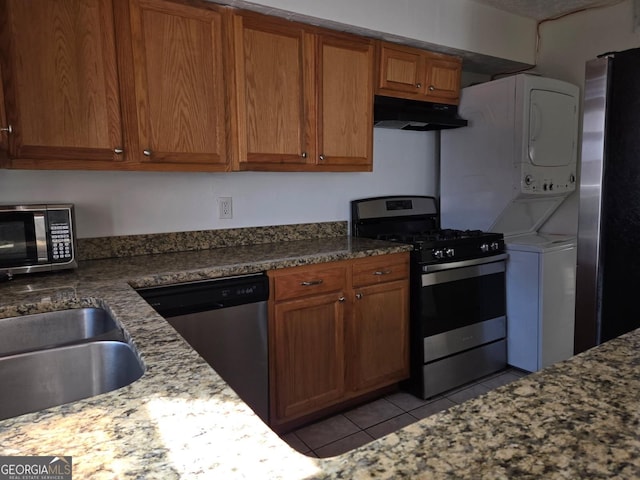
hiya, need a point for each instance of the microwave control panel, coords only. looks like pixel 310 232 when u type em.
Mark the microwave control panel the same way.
pixel 61 235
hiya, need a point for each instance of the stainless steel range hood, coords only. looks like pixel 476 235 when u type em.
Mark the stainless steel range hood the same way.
pixel 403 114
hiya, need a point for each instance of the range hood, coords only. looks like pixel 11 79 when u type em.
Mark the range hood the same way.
pixel 403 114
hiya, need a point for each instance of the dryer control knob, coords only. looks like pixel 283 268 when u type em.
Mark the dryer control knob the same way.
pixel 528 180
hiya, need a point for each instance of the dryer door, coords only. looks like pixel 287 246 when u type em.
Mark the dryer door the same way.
pixel 553 129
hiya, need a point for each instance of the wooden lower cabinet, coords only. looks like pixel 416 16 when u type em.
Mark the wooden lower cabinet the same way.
pixel 309 354
pixel 378 336
pixel 337 331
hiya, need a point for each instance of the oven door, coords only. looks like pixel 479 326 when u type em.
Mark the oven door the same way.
pixel 462 305
pixel 23 241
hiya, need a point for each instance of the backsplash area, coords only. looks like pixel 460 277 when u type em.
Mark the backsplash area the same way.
pixel 133 245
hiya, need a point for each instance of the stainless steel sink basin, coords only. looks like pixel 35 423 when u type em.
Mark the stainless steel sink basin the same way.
pixel 37 380
pixel 52 329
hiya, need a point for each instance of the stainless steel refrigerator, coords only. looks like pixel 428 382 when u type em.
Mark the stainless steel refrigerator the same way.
pixel 608 272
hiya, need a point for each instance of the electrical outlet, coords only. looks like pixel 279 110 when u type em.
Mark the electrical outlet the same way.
pixel 224 207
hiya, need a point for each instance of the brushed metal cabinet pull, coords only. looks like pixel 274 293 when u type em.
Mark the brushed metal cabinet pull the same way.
pixel 118 150
pixel 311 283
pixel 8 129
pixel 431 88
pixel 359 296
pixel 147 153
pixel 341 299
pixel 382 272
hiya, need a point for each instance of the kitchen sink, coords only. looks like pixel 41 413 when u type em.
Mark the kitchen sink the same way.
pixel 53 329
pixel 41 379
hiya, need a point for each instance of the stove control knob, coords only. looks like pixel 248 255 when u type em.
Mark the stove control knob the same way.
pixel 449 252
pixel 495 245
pixel 484 248
pixel 438 254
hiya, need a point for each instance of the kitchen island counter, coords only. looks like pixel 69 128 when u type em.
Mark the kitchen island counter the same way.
pixel 576 419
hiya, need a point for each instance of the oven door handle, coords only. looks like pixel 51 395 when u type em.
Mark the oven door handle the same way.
pixel 471 271
pixel 463 263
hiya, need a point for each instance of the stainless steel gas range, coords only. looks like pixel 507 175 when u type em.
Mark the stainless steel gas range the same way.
pixel 458 297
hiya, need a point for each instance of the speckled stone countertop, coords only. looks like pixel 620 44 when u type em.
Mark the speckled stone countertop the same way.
pixel 576 419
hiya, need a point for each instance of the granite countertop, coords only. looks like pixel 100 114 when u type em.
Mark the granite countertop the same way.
pixel 576 419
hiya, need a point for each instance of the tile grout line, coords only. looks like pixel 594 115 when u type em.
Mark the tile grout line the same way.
pixel 404 411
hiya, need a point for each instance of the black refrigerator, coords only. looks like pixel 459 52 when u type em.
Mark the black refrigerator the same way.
pixel 608 271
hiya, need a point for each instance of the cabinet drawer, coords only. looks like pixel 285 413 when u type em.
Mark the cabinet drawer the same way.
pixel 305 281
pixel 379 269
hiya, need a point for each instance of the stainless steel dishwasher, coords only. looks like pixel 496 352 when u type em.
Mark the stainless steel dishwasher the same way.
pixel 225 321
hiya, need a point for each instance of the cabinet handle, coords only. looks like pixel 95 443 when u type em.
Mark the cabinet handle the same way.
pixel 8 129
pixel 321 157
pixel 431 88
pixel 311 283
pixel 304 155
pixel 382 272
pixel 359 296
pixel 118 150
pixel 147 153
pixel 418 85
pixel 341 299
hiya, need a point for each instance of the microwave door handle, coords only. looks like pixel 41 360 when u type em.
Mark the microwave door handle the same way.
pixel 41 237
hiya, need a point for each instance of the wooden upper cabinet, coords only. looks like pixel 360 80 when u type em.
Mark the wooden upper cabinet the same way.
pixel 304 96
pixel 443 79
pixel 274 100
pixel 345 103
pixel 60 83
pixel 179 75
pixel 401 70
pixel 416 74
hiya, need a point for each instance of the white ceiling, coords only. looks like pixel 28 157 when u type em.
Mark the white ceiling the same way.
pixel 544 9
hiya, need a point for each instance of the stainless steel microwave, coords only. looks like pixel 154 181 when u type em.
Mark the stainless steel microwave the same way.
pixel 36 238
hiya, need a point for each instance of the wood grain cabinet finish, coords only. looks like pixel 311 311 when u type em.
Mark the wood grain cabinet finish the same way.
pixel 306 339
pixel 345 103
pixel 102 84
pixel 274 84
pixel 416 74
pixel 179 75
pixel 304 96
pixel 336 331
pixel 4 129
pixel 378 332
pixel 60 83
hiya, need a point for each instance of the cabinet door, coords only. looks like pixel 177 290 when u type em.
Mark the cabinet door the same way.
pixel 378 336
pixel 306 355
pixel 401 69
pixel 443 79
pixel 345 103
pixel 61 85
pixel 274 100
pixel 179 84
pixel 4 127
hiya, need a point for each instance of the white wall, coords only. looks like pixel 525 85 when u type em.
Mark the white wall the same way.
pixel 566 46
pixel 124 203
pixel 460 24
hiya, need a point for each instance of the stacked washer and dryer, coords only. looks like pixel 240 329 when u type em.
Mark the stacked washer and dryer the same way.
pixel 508 171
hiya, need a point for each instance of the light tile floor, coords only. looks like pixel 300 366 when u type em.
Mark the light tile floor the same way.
pixel 354 428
